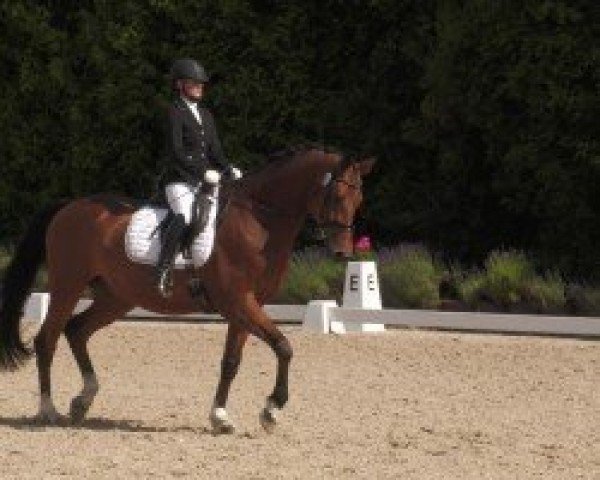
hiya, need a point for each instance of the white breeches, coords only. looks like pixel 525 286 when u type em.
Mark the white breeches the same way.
pixel 180 197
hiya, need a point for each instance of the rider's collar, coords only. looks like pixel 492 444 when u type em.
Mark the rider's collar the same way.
pixel 189 103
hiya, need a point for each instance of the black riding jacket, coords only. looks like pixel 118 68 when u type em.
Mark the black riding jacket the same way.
pixel 191 148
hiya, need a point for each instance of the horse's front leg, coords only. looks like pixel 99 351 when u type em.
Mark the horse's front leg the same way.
pixel 262 326
pixel 232 356
pixel 282 348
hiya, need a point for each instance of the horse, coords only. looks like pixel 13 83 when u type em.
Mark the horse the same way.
pixel 82 244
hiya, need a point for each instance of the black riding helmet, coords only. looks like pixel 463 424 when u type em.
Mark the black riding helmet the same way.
pixel 188 69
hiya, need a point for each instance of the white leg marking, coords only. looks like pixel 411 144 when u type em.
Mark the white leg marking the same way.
pixel 220 421
pixel 268 416
pixel 272 408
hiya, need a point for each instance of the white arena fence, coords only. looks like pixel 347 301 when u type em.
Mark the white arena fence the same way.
pixel 361 312
pixel 334 319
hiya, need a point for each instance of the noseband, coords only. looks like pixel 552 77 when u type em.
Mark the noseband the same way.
pixel 334 224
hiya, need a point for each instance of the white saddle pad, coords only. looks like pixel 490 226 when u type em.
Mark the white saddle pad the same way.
pixel 142 238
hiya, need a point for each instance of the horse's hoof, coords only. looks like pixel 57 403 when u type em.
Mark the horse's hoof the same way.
pixel 220 423
pixel 223 428
pixel 47 418
pixel 78 410
pixel 267 420
pixel 268 417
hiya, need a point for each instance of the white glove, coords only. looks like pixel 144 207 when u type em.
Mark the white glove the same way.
pixel 212 177
pixel 236 173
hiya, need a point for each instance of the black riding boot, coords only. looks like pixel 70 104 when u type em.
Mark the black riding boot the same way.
pixel 171 239
pixel 201 210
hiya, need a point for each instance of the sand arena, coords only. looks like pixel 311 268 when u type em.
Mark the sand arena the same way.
pixel 403 404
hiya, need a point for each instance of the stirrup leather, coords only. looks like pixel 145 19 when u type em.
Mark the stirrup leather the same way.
pixel 165 282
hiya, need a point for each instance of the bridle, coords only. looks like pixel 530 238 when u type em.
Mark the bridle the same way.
pixel 334 224
pixel 321 229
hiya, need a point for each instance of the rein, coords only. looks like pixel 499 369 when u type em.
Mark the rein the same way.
pixel 254 205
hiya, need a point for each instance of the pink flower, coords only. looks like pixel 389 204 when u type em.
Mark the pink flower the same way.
pixel 363 244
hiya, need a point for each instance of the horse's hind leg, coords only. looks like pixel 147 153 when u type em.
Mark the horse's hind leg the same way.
pixel 104 310
pixel 62 303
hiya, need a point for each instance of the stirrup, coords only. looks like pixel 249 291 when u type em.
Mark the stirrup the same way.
pixel 165 283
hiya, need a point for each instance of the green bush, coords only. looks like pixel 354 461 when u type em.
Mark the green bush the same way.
pixel 471 289
pixel 545 295
pixel 312 275
pixel 4 259
pixel 583 300
pixel 509 283
pixel 409 278
pixel 506 273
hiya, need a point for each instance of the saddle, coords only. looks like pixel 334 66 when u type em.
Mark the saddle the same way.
pixel 142 238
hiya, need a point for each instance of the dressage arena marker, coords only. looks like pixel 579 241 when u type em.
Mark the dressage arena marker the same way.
pixel 316 318
pixel 361 291
pixel 36 307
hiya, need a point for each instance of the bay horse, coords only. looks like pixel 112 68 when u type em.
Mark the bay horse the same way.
pixel 82 244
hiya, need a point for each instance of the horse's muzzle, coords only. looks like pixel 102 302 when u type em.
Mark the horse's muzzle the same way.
pixel 342 256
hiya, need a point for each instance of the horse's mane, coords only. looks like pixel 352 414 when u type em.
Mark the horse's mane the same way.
pixel 289 152
pixel 280 159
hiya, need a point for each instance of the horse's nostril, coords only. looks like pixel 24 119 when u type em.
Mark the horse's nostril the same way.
pixel 320 234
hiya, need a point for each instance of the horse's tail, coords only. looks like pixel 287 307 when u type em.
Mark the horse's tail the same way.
pixel 16 286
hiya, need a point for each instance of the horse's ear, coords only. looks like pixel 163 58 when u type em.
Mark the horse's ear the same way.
pixel 366 165
pixel 345 162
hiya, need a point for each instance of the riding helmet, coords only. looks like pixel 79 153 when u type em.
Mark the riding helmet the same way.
pixel 188 69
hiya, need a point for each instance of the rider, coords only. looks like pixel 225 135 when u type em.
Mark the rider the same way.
pixel 194 152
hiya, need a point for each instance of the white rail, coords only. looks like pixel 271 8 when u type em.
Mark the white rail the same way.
pixel 37 306
pixel 495 322
pixel 328 317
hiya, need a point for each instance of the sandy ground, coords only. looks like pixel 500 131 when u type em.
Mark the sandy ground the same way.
pixel 404 404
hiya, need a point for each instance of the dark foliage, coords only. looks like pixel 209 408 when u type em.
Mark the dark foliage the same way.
pixel 482 114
